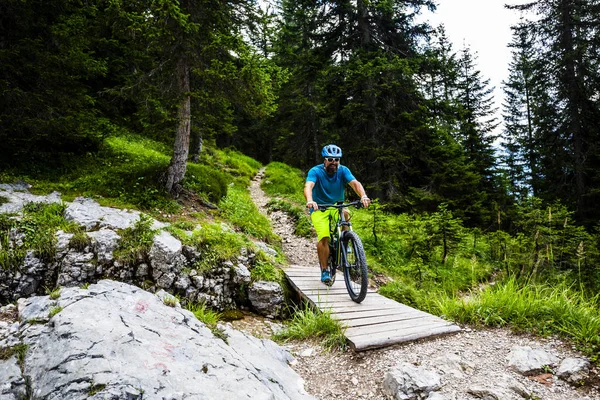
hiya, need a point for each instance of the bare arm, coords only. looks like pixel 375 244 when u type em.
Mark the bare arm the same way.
pixel 310 203
pixel 360 190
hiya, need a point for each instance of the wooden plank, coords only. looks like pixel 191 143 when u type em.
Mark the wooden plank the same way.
pixel 390 313
pixel 395 329
pixel 373 322
pixel 384 313
pixel 352 312
pixel 365 343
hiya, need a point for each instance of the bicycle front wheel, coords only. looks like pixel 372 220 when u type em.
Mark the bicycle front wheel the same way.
pixel 355 272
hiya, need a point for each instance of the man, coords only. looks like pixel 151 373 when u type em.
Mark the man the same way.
pixel 325 184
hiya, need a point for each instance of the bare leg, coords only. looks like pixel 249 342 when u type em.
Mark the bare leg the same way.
pixel 323 252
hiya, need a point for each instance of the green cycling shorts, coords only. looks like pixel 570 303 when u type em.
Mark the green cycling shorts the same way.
pixel 322 219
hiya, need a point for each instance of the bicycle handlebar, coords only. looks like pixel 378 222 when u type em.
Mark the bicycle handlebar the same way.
pixel 357 204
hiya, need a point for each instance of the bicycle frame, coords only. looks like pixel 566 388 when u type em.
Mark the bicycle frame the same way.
pixel 355 269
pixel 340 258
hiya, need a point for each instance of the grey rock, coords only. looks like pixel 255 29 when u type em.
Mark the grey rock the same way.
pixel 574 370
pixel 34 308
pixel 120 336
pixel 241 274
pixel 502 387
pixel 104 243
pixel 12 384
pixel 166 249
pixel 91 215
pixel 270 251
pixel 267 298
pixel 62 243
pixel 440 396
pixel 17 196
pixel 528 361
pixel 408 382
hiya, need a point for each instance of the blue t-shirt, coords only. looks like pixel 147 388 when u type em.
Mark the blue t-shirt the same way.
pixel 328 189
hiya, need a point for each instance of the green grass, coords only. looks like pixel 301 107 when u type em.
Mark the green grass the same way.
pixel 238 208
pixel 282 180
pixel 217 243
pixel 266 271
pixel 135 241
pixel 54 310
pixel 308 324
pixel 209 317
pixel 126 172
pixel 18 350
pixel 38 223
pixel 534 307
pixel 54 294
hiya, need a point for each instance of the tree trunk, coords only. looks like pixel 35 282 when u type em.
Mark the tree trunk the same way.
pixel 570 81
pixel 199 141
pixel 175 173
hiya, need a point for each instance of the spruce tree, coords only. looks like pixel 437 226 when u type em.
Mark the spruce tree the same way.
pixel 476 134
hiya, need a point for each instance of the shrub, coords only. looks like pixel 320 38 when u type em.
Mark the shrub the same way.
pixel 136 241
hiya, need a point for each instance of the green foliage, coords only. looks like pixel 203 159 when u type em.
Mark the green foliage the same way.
pixel 19 350
pixel 135 241
pixel 204 313
pixel 556 308
pixel 239 209
pixel 403 291
pixel 310 324
pixel 206 180
pixel 209 317
pixel 283 180
pixel 54 294
pixel 79 241
pixel 96 388
pixel 38 225
pixel 3 200
pixel 266 271
pixel 54 310
pixel 217 244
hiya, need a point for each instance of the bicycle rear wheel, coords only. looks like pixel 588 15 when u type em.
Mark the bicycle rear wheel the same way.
pixel 356 272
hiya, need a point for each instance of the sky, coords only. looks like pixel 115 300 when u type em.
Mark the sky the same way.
pixel 484 26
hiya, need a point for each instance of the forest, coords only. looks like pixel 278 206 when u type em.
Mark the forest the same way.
pixel 277 80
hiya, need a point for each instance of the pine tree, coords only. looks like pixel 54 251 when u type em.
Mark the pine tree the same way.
pixel 568 32
pixel 476 134
pixel 521 152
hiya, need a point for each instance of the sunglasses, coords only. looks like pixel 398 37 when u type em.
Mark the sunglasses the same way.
pixel 331 159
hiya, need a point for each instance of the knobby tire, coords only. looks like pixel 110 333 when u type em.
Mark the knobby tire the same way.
pixel 356 275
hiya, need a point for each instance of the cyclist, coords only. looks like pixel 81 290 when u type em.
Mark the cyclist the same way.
pixel 325 184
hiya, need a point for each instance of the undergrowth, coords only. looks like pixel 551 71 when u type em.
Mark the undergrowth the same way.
pixel 33 230
pixel 310 324
pixel 533 307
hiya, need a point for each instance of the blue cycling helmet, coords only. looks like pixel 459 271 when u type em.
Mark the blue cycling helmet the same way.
pixel 331 150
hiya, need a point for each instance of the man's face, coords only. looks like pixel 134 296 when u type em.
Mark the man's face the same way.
pixel 331 165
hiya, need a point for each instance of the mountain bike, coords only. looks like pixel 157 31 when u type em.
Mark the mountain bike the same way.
pixel 346 252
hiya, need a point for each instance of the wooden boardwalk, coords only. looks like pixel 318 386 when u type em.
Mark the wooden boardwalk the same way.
pixel 376 322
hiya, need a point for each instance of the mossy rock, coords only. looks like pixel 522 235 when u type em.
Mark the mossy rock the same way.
pixel 232 315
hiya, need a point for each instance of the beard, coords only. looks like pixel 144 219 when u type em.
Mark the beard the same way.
pixel 331 169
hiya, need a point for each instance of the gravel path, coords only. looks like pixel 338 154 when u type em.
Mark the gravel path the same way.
pixel 471 359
